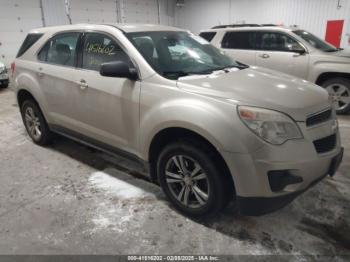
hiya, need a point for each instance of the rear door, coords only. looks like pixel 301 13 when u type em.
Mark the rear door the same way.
pixel 275 51
pixel 55 74
pixel 108 107
pixel 240 45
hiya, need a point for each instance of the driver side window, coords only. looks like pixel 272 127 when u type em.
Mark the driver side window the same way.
pixel 98 49
pixel 273 41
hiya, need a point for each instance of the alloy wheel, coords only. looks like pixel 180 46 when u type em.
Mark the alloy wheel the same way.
pixel 187 181
pixel 340 95
pixel 33 123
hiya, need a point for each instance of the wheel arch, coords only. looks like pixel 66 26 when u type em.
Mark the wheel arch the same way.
pixel 172 134
pixel 329 75
pixel 23 95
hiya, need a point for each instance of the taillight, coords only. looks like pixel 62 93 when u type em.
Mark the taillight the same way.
pixel 13 68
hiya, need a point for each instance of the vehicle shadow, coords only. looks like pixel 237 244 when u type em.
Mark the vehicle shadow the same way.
pixel 321 214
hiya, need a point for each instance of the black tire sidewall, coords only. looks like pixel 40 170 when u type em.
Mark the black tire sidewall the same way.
pixel 342 81
pixel 216 194
pixel 45 132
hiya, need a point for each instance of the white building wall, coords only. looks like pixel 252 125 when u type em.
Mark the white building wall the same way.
pixel 308 14
pixel 17 17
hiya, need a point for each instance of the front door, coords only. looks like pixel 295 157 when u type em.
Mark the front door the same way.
pixel 277 51
pixel 334 32
pixel 108 106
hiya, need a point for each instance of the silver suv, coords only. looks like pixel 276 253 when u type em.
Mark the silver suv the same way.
pixel 289 50
pixel 209 129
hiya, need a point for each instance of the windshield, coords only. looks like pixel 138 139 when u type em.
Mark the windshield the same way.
pixel 175 54
pixel 315 41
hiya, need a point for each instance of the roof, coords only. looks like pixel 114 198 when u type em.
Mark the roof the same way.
pixel 128 28
pixel 250 28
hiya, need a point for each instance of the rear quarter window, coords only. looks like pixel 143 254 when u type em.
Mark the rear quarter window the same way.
pixel 208 35
pixel 29 41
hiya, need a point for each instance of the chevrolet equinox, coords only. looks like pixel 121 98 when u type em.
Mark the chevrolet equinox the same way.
pixel 209 129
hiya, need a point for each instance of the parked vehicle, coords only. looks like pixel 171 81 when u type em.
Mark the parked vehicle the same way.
pixel 289 50
pixel 4 77
pixel 209 129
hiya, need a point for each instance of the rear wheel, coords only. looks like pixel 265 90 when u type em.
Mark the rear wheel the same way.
pixel 35 123
pixel 191 180
pixel 339 90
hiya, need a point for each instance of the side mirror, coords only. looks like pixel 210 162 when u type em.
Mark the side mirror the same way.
pixel 297 49
pixel 118 69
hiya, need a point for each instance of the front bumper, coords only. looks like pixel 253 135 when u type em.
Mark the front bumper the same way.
pixel 4 79
pixel 255 206
pixel 4 82
pixel 298 158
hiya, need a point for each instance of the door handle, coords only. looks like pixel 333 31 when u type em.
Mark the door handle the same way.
pixel 264 56
pixel 83 85
pixel 40 73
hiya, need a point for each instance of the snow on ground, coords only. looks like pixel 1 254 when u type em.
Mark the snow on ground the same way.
pixel 116 187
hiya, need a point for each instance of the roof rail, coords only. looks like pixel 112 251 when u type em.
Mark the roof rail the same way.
pixel 241 25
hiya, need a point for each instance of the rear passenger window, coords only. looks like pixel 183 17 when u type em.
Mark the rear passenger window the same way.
pixel 207 35
pixel 99 49
pixel 60 50
pixel 239 40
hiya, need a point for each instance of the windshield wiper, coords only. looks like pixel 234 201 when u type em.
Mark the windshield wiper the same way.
pixel 177 74
pixel 239 66
pixel 333 50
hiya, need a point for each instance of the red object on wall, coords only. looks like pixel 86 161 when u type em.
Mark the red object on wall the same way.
pixel 334 32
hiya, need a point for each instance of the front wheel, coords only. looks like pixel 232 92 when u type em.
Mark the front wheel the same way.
pixel 191 180
pixel 339 90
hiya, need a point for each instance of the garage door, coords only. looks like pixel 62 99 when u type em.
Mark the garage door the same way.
pixel 17 17
pixel 93 11
pixel 141 11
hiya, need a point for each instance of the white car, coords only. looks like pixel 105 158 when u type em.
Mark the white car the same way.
pixel 4 77
pixel 289 50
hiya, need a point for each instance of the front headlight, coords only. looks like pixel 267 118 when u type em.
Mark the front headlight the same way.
pixel 272 126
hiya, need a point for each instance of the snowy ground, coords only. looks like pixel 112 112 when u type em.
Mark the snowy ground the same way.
pixel 71 199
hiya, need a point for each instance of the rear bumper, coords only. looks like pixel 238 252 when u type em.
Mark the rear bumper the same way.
pixel 255 206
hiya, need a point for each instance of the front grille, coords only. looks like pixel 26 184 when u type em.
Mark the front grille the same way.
pixel 319 118
pixel 326 144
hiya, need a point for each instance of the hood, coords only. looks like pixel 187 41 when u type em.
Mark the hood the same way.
pixel 343 53
pixel 261 87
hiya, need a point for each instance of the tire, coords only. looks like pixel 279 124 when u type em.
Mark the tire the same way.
pixel 35 123
pixel 339 89
pixel 215 186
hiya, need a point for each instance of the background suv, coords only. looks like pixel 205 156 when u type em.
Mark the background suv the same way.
pixel 208 128
pixel 289 50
